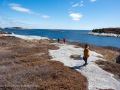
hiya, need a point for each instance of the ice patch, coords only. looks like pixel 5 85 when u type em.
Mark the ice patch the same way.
pixel 97 77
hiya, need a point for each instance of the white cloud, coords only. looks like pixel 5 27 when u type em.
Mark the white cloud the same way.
pixel 21 22
pixel 75 5
pixel 46 16
pixel 81 1
pixel 78 4
pixel 17 7
pixel 76 16
pixel 20 9
pixel 92 0
pixel 81 4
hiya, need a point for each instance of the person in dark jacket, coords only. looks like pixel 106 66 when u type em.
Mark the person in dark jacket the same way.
pixel 58 40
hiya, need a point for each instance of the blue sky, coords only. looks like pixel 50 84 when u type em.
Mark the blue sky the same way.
pixel 60 14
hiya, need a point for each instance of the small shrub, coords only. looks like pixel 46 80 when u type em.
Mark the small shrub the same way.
pixel 6 55
pixel 75 56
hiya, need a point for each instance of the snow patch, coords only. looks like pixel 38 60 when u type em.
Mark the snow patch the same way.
pixel 97 77
pixel 25 37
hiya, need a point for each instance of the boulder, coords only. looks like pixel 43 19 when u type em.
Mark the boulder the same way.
pixel 118 59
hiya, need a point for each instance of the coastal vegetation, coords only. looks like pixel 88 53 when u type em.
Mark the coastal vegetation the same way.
pixel 107 30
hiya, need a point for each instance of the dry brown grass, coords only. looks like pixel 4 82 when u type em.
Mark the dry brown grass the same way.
pixel 108 54
pixel 26 65
pixel 75 56
pixel 111 67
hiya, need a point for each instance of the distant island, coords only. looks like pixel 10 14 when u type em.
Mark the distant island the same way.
pixel 15 28
pixel 109 32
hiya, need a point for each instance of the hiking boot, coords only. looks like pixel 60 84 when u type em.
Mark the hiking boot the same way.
pixel 85 64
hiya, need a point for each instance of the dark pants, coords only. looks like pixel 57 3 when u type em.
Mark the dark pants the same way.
pixel 85 59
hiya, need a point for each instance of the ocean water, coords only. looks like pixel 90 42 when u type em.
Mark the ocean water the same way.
pixel 70 35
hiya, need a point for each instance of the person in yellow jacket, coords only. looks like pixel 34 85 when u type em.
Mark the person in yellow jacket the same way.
pixel 86 54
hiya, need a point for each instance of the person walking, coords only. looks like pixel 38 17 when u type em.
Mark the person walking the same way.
pixel 86 54
pixel 64 40
pixel 58 40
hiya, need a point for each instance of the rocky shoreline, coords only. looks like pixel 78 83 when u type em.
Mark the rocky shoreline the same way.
pixel 109 32
pixel 104 34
